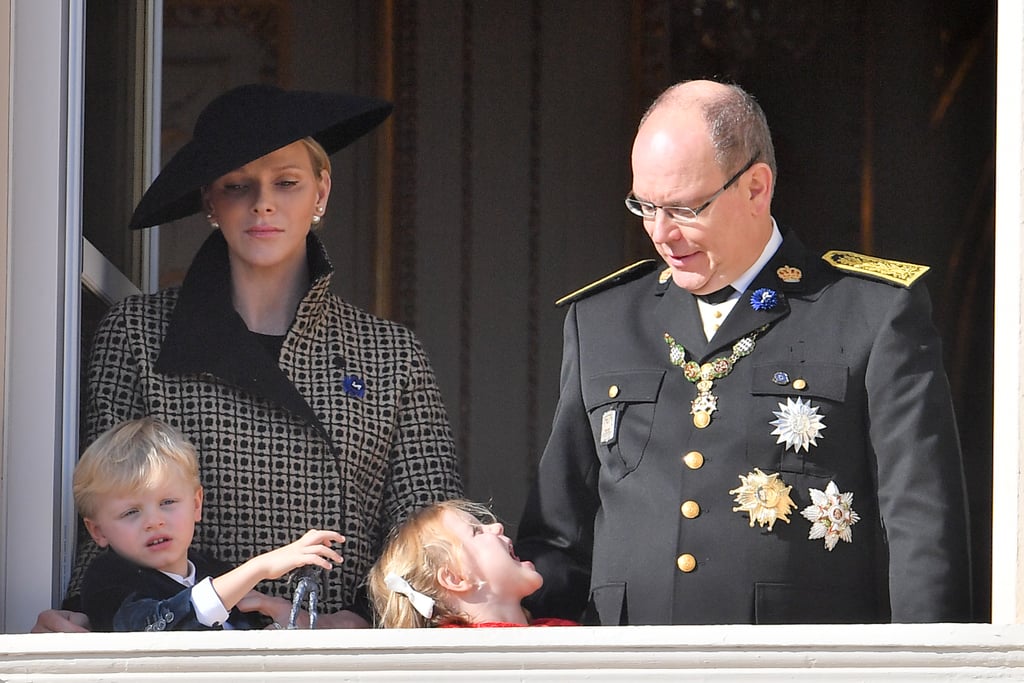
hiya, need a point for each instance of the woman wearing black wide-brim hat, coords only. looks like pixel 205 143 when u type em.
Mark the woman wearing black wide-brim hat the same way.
pixel 306 412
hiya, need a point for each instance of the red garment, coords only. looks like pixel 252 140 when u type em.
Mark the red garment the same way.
pixel 543 621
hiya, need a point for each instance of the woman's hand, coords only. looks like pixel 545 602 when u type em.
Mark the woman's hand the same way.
pixel 278 609
pixel 342 619
pixel 61 621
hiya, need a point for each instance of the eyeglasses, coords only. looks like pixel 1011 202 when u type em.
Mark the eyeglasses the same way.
pixel 682 214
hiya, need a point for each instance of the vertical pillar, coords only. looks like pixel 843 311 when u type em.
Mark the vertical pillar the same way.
pixel 1008 383
pixel 43 262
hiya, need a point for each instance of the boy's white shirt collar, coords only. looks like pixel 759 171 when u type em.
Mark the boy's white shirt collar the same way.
pixel 210 611
pixel 188 580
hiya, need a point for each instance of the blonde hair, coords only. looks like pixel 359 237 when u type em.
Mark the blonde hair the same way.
pixel 132 455
pixel 318 155
pixel 416 551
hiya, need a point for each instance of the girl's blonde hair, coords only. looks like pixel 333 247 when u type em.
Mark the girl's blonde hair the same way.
pixel 416 551
pixel 133 455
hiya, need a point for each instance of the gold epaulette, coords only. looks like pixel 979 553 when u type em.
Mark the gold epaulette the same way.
pixel 893 272
pixel 630 272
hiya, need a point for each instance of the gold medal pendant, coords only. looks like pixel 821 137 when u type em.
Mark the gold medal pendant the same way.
pixel 703 376
pixel 702 407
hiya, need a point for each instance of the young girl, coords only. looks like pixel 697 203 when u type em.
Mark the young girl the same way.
pixel 451 565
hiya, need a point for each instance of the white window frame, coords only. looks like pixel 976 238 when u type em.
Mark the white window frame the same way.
pixel 43 270
pixel 48 261
pixel 1008 347
pixel 45 164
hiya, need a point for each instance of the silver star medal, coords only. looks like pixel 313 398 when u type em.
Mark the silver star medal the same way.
pixel 798 424
pixel 831 515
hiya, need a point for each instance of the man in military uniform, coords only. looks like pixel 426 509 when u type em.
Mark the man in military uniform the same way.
pixel 753 434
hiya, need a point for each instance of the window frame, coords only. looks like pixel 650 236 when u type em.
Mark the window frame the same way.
pixel 44 274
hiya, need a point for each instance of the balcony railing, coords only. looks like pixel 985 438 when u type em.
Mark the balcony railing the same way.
pixel 637 653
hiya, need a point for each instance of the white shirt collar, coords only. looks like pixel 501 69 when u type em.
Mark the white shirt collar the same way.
pixel 713 315
pixel 188 580
pixel 741 283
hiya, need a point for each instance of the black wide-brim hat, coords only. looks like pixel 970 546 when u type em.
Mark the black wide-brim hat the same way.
pixel 243 125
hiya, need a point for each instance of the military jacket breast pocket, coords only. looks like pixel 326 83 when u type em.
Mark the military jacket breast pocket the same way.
pixel 796 401
pixel 621 408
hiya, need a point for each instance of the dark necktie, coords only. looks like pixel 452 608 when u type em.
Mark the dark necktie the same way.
pixel 715 298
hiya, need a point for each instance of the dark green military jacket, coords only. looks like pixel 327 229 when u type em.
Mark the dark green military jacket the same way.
pixel 827 486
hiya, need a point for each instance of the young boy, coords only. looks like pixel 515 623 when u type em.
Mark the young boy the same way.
pixel 138 492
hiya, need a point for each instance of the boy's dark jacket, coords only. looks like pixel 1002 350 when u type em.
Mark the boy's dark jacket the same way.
pixel 119 595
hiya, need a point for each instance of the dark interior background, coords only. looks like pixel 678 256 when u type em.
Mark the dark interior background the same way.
pixel 496 186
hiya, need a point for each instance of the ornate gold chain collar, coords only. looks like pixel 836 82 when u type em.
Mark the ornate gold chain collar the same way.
pixel 704 375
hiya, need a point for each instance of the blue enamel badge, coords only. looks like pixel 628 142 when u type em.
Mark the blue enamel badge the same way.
pixel 354 386
pixel 764 299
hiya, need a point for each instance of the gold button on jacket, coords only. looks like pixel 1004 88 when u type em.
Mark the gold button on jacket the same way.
pixel 694 460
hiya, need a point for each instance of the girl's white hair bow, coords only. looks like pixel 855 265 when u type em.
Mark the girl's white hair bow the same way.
pixel 424 604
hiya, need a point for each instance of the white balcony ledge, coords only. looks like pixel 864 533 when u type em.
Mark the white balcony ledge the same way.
pixel 648 653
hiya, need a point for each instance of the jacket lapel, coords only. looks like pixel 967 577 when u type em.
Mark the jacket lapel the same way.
pixel 678 315
pixel 206 334
pixel 744 318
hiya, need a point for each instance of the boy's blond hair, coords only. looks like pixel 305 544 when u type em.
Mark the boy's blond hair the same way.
pixel 133 455
pixel 416 551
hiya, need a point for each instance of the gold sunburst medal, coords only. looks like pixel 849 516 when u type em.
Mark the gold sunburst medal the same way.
pixel 764 497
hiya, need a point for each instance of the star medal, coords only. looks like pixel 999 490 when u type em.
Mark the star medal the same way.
pixel 831 515
pixel 764 497
pixel 703 376
pixel 798 424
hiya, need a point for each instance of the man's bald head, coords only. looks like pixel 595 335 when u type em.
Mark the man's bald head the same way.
pixel 735 121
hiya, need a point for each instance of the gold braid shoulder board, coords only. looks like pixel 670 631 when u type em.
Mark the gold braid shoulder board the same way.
pixel 627 274
pixel 893 272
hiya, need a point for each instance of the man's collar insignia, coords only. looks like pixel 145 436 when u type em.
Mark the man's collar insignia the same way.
pixel 789 274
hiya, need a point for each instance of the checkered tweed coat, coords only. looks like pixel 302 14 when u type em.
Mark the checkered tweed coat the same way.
pixel 345 430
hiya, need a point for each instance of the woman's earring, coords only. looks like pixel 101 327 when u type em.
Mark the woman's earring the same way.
pixel 213 221
pixel 316 216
